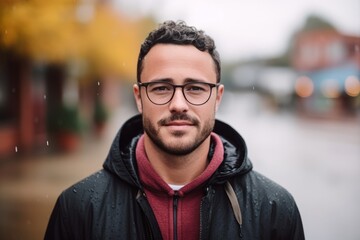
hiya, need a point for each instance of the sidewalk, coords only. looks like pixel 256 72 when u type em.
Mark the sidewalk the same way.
pixel 30 186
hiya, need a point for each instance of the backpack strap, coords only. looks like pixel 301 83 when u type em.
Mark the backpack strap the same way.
pixel 234 202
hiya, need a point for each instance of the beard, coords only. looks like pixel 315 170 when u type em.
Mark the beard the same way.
pixel 179 148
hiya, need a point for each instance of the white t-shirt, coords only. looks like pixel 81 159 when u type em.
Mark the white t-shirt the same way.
pixel 175 187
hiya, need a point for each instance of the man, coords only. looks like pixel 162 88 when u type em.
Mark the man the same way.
pixel 174 172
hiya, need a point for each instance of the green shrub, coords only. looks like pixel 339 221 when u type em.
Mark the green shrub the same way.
pixel 64 118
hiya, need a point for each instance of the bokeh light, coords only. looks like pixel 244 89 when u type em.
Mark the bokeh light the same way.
pixel 352 86
pixel 304 87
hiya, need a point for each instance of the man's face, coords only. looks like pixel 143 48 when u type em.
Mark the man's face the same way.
pixel 177 127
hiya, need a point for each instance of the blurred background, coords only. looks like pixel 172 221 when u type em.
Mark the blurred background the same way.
pixel 291 72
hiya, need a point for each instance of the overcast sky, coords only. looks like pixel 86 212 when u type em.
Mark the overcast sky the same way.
pixel 249 28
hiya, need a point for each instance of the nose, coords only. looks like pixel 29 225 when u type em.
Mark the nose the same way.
pixel 178 103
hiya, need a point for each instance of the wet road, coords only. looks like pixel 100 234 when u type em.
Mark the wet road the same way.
pixel 317 161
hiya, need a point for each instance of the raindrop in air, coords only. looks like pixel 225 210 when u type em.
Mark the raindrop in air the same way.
pixel 16 149
pixel 98 83
pixel 45 96
pixel 47 143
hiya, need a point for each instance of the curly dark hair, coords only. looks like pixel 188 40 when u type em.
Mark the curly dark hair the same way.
pixel 179 33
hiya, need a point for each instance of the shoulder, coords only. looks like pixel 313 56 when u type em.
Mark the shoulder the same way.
pixel 96 187
pixel 93 196
pixel 88 185
pixel 100 198
pixel 271 205
pixel 260 193
pixel 256 184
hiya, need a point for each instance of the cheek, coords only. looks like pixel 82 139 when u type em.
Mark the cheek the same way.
pixel 151 112
pixel 205 114
pixel 211 108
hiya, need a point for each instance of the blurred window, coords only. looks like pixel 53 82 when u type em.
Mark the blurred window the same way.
pixel 335 52
pixel 309 54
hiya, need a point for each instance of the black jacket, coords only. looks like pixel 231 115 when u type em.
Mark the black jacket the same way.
pixel 110 204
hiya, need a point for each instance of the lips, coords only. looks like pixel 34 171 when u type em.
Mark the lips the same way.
pixel 179 126
pixel 179 123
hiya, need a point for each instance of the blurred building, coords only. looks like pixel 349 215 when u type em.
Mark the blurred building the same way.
pixel 17 105
pixel 57 85
pixel 274 83
pixel 328 67
pixel 39 104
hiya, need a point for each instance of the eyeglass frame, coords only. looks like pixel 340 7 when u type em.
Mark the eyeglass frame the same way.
pixel 146 84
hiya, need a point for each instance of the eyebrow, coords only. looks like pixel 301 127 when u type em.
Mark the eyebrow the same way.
pixel 190 80
pixel 170 80
pixel 161 80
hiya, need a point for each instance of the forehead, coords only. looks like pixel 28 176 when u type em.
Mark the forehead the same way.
pixel 178 61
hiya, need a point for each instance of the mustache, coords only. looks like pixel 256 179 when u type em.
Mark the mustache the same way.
pixel 178 116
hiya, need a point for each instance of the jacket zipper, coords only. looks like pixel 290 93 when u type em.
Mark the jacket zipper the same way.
pixel 205 213
pixel 152 230
pixel 175 205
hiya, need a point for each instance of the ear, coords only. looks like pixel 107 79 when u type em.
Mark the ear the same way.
pixel 137 96
pixel 219 94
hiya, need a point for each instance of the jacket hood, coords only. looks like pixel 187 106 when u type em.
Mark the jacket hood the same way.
pixel 121 158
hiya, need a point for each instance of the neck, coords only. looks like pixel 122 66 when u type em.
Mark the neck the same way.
pixel 175 169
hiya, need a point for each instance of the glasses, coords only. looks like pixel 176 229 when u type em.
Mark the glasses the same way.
pixel 196 93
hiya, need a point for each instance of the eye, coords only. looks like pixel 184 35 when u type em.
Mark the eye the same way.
pixel 159 87
pixel 196 87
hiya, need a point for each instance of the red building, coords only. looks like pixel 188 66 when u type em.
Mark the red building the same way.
pixel 328 67
pixel 321 49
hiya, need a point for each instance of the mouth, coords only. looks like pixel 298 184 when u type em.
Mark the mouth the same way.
pixel 179 123
pixel 179 126
pixel 178 120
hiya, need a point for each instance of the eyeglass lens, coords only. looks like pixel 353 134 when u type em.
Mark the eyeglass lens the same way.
pixel 162 93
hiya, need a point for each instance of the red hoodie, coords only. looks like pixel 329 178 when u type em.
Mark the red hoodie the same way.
pixel 184 203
